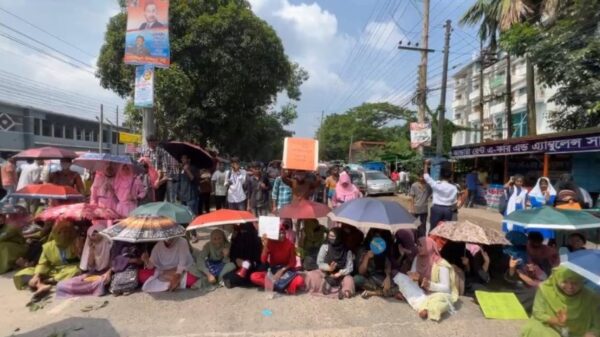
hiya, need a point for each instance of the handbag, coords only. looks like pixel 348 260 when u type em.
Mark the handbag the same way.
pixel 285 279
pixel 125 281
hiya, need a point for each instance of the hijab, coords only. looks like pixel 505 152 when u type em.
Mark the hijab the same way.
pixel 406 238
pixel 123 183
pixel 352 237
pixel 176 255
pixel 473 248
pixel 64 234
pixel 336 251
pixel 215 251
pixel 96 255
pixel 537 197
pixel 426 260
pixel 246 244
pixel 348 192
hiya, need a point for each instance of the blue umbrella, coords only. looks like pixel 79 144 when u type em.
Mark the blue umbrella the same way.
pixel 99 161
pixel 366 213
pixel 585 263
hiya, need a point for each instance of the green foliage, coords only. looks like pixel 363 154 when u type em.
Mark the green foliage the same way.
pixel 227 67
pixel 486 14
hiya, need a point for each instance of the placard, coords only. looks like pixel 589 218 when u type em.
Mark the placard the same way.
pixel 300 154
pixel 269 225
pixel 420 135
pixel 500 305
pixel 129 138
pixel 147 36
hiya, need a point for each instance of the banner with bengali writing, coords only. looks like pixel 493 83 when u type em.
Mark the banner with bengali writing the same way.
pixel 420 135
pixel 143 96
pixel 147 36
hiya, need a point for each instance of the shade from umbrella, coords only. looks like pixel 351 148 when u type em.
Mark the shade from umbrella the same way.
pixel 144 229
pixel 221 217
pixel 78 212
pixel 366 213
pixel 552 218
pixel 99 161
pixel 200 157
pixel 179 213
pixel 466 231
pixel 47 152
pixel 585 263
pixel 304 209
pixel 47 191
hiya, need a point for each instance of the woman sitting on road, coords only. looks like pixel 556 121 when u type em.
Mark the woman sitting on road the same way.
pixel 212 262
pixel 345 190
pixel 311 242
pixel 404 251
pixel 335 263
pixel 375 269
pixel 564 307
pixel 245 253
pixel 167 267
pixel 12 245
pixel 95 263
pixel 280 255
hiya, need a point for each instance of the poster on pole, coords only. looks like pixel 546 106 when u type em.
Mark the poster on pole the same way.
pixel 420 135
pixel 147 36
pixel 300 154
pixel 144 86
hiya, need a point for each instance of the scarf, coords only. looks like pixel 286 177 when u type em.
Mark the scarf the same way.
pixel 427 260
pixel 336 252
pixel 96 255
pixel 348 192
pixel 406 239
pixel 246 244
pixel 537 197
pixel 177 255
pixel 473 248
pixel 215 251
pixel 516 200
pixel 121 252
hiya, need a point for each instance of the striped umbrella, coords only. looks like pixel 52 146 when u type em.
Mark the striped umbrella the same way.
pixel 144 229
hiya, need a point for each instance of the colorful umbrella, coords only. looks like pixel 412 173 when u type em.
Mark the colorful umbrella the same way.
pixel 47 191
pixel 221 217
pixel 179 213
pixel 99 161
pixel 144 229
pixel 304 209
pixel 47 152
pixel 466 231
pixel 552 218
pixel 199 156
pixel 585 263
pixel 78 212
pixel 366 213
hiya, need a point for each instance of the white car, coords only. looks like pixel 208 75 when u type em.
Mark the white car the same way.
pixel 379 183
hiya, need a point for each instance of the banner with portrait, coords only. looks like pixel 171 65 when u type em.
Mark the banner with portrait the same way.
pixel 144 86
pixel 147 36
pixel 420 135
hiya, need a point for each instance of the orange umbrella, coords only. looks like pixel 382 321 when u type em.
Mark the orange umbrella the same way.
pixel 221 217
pixel 47 152
pixel 47 191
pixel 304 209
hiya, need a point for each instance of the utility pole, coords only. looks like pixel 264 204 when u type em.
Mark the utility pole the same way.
pixel 148 127
pixel 117 127
pixel 422 90
pixel 100 128
pixel 350 148
pixel 481 92
pixel 442 109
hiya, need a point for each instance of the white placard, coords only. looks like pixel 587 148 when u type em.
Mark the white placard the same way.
pixel 269 225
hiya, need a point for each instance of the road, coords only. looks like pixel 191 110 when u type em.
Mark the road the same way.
pixel 239 312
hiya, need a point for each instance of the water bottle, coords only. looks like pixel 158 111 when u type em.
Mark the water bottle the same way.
pixel 270 285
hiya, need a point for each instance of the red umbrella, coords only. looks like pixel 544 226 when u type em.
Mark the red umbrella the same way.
pixel 221 217
pixel 304 210
pixel 78 212
pixel 47 152
pixel 47 191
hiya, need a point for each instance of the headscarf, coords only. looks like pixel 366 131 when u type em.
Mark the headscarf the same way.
pixel 380 259
pixel 473 248
pixel 431 256
pixel 336 251
pixel 64 234
pixel 580 307
pixel 96 255
pixel 352 237
pixel 406 238
pixel 152 173
pixel 177 255
pixel 246 243
pixel 124 183
pixel 215 252
pixel 348 192
pixel 536 195
pixel 567 195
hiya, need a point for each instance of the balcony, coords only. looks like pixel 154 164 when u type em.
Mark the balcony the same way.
pixel 497 108
pixel 457 103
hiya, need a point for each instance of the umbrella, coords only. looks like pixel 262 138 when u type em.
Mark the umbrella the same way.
pixel 304 209
pixel 366 213
pixel 99 161
pixel 200 157
pixel 585 263
pixel 221 217
pixel 179 213
pixel 78 212
pixel 47 152
pixel 144 229
pixel 466 231
pixel 47 191
pixel 552 218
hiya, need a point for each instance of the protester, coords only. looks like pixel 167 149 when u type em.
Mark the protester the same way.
pixel 258 191
pixel 167 267
pixel 567 199
pixel 514 197
pixel 404 179
pixel 219 179
pixel 103 191
pixel 575 242
pixel 148 179
pixel 66 177
pixel 281 195
pixel 419 194
pixel 444 195
pixel 542 194
pixel 476 266
pixel 335 262
pixel 128 190
pixel 345 191
pixel 205 190
pixel 472 181
pixel 30 173
pixel 353 238
pixel 12 245
pixel 166 166
pixel 566 182
pixel 405 250
pixel 125 263
pixel 542 255
pixel 310 243
pixel 395 178
pixel 273 171
pixel 564 307
pixel 375 270
pixel 236 182
pixel 9 180
pixel 212 262
pixel 187 187
pixel 246 248
pixel 303 184
pixel 330 184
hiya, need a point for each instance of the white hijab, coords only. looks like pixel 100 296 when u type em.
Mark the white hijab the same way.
pixel 536 191
pixel 516 200
pixel 98 252
pixel 177 255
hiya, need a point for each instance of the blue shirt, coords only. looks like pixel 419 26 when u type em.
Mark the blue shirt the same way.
pixel 472 181
pixel 281 194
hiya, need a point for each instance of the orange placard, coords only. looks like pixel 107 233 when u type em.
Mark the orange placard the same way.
pixel 300 154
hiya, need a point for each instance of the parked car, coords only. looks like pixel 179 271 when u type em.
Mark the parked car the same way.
pixel 359 179
pixel 378 183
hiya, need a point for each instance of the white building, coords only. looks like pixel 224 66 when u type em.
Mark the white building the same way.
pixel 466 102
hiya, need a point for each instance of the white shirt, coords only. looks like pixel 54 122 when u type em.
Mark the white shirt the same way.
pixel 444 193
pixel 219 179
pixel 236 182
pixel 30 174
pixel 437 287
pixel 403 176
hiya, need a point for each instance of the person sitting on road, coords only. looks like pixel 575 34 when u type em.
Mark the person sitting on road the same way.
pixel 336 262
pixel 476 266
pixel 12 244
pixel 404 251
pixel 544 256
pixel 576 241
pixel 375 269
pixel 310 243
pixel 125 264
pixel 212 262
pixel 167 266
pixel 245 252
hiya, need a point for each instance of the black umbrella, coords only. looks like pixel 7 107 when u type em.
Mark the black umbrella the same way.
pixel 199 156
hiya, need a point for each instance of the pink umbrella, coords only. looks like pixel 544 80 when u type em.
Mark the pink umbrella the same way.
pixel 78 212
pixel 47 152
pixel 304 209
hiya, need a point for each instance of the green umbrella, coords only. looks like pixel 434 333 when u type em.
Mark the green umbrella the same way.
pixel 179 213
pixel 552 218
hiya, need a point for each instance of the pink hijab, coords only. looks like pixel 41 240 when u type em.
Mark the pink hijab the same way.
pixel 345 193
pixel 96 255
pixel 431 256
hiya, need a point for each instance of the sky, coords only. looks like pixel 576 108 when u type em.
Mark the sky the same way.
pixel 348 47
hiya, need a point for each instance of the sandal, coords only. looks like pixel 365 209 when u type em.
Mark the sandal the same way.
pixel 365 295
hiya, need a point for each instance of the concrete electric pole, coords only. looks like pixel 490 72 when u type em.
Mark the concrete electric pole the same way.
pixel 442 109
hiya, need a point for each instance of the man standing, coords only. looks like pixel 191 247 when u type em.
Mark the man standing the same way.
pixel 282 192
pixel 472 186
pixel 219 179
pixel 236 183
pixel 167 168
pixel 188 187
pixel 404 181
pixel 9 179
pixel 258 191
pixel 419 202
pixel 444 195
pixel 66 177
pixel 205 188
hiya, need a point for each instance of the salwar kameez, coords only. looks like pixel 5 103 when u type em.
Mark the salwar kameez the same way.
pixel 12 247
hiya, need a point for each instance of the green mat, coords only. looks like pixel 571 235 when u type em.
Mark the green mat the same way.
pixel 500 305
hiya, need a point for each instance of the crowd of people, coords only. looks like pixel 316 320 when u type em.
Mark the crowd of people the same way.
pixel 427 272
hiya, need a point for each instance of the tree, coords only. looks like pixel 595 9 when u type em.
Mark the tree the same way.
pixel 227 67
pixel 486 14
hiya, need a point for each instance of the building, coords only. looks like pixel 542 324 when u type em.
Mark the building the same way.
pixel 23 127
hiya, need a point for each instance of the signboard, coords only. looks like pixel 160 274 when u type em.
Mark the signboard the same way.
pixel 300 154
pixel 147 36
pixel 144 86
pixel 129 138
pixel 552 145
pixel 132 149
pixel 420 135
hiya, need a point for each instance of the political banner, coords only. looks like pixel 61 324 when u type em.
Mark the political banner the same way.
pixel 144 86
pixel 147 36
pixel 420 135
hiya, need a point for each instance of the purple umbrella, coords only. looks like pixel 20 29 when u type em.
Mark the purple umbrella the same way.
pixel 99 161
pixel 366 213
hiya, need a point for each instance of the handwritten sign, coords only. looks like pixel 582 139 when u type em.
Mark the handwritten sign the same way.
pixel 269 225
pixel 500 305
pixel 300 154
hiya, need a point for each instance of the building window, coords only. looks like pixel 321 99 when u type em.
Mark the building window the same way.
pixel 519 124
pixel 89 137
pixel 46 129
pixel 80 134
pixel 94 137
pixel 115 137
pixel 105 138
pixel 69 132
pixel 37 125
pixel 58 131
